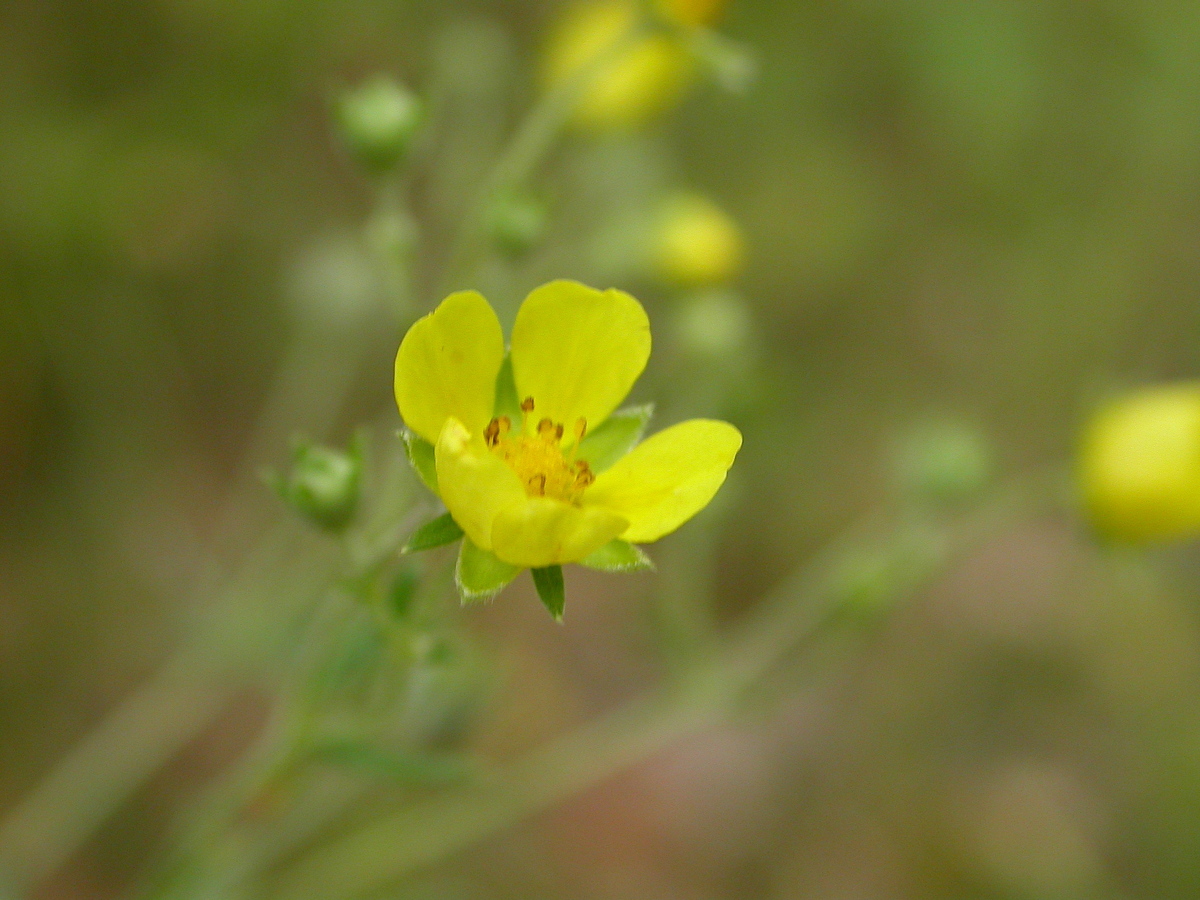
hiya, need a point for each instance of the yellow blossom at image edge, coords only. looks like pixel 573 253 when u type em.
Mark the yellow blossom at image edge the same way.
pixel 642 82
pixel 525 490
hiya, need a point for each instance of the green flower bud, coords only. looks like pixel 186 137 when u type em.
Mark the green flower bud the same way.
pixel 517 224
pixel 378 121
pixel 324 485
pixel 945 463
pixel 713 324
pixel 1139 465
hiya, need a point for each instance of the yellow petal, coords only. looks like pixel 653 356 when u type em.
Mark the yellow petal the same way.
pixel 577 351
pixel 447 366
pixel 667 479
pixel 475 484
pixel 543 532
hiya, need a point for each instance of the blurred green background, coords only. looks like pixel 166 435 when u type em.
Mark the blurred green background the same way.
pixel 988 211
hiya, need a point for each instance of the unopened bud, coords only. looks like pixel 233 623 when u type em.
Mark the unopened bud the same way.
pixel 1139 465
pixel 696 243
pixel 944 463
pixel 378 121
pixel 516 224
pixel 324 485
pixel 693 12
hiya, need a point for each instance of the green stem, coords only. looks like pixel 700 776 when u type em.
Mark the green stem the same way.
pixel 530 144
pixel 392 847
pixel 192 867
pixel 102 771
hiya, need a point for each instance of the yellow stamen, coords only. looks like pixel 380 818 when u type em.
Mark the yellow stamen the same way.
pixel 536 455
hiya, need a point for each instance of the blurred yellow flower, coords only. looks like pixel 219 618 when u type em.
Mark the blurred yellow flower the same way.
pixel 529 487
pixel 1139 467
pixel 696 243
pixel 638 84
pixel 693 12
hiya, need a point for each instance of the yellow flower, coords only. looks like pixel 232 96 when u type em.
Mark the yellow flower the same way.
pixel 640 83
pixel 1140 465
pixel 696 243
pixel 693 12
pixel 550 478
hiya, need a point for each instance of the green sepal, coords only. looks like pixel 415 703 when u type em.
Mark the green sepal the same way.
pixel 550 587
pixel 421 458
pixel 507 401
pixel 618 556
pixel 479 575
pixel 615 436
pixel 435 533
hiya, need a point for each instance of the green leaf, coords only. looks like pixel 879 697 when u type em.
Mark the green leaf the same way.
pixel 436 533
pixel 507 401
pixel 616 436
pixel 420 457
pixel 618 556
pixel 549 583
pixel 479 575
pixel 412 768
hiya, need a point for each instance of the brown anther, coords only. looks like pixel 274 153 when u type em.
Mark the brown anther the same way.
pixel 580 429
pixel 581 465
pixel 558 431
pixel 545 427
pixel 491 434
pixel 538 483
pixel 584 478
pixel 527 405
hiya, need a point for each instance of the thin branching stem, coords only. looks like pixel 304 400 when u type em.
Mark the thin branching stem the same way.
pixel 396 845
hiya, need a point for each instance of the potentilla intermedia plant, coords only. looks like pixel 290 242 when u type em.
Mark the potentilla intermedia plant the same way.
pixel 539 465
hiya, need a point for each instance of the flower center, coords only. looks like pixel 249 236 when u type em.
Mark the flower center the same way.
pixel 536 455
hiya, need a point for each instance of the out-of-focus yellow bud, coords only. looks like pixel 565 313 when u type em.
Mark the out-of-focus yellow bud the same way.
pixel 696 243
pixel 640 83
pixel 693 12
pixel 1140 465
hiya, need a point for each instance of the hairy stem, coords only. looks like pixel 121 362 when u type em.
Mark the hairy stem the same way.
pixel 396 845
pixel 529 146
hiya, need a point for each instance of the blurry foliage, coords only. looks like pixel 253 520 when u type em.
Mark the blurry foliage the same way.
pixel 990 208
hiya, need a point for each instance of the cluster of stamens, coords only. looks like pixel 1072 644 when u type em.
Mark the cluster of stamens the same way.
pixel 537 457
